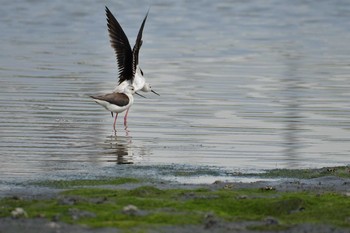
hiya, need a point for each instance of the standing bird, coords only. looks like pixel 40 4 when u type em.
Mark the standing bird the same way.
pixel 116 102
pixel 130 72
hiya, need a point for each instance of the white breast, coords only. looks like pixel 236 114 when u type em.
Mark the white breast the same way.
pixel 139 81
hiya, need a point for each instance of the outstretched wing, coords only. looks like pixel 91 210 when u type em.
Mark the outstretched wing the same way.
pixel 137 45
pixel 122 48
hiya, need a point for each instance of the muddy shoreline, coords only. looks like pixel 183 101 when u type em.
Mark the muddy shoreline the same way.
pixel 210 222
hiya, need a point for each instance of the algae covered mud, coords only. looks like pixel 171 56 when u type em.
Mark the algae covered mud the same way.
pixel 317 201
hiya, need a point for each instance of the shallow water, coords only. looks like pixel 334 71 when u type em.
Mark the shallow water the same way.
pixel 245 85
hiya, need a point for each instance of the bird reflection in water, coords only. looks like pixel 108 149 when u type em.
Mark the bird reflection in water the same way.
pixel 121 147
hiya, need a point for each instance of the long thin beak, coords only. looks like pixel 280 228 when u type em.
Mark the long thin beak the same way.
pixel 140 95
pixel 155 92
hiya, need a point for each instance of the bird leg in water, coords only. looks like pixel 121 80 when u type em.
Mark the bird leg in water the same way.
pixel 126 117
pixel 115 120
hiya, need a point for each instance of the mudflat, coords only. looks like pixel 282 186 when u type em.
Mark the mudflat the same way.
pixel 308 200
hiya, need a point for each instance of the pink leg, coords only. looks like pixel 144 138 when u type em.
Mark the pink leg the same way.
pixel 126 117
pixel 115 120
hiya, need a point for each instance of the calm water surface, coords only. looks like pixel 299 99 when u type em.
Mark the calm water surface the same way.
pixel 245 85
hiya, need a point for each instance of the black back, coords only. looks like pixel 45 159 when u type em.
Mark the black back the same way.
pixel 118 99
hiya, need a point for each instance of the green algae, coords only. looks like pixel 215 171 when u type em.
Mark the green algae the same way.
pixel 343 171
pixel 64 184
pixel 159 207
pixel 94 203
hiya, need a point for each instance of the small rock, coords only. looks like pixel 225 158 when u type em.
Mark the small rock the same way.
pixel 267 188
pixel 217 182
pixel 271 221
pixel 242 197
pixel 331 169
pixel 77 214
pixel 40 215
pixel 53 225
pixel 228 186
pixel 210 221
pixel 297 210
pixel 68 200
pixel 190 194
pixel 131 210
pixel 99 200
pixel 18 213
pixel 56 218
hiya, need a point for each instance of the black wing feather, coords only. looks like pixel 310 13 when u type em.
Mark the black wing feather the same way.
pixel 121 45
pixel 137 45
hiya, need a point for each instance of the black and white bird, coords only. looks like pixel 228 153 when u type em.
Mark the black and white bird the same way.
pixel 130 72
pixel 131 77
pixel 116 102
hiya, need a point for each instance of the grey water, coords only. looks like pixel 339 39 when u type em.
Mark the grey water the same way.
pixel 244 85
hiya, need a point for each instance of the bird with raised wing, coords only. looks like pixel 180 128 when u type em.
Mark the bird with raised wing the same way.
pixel 131 77
pixel 130 72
